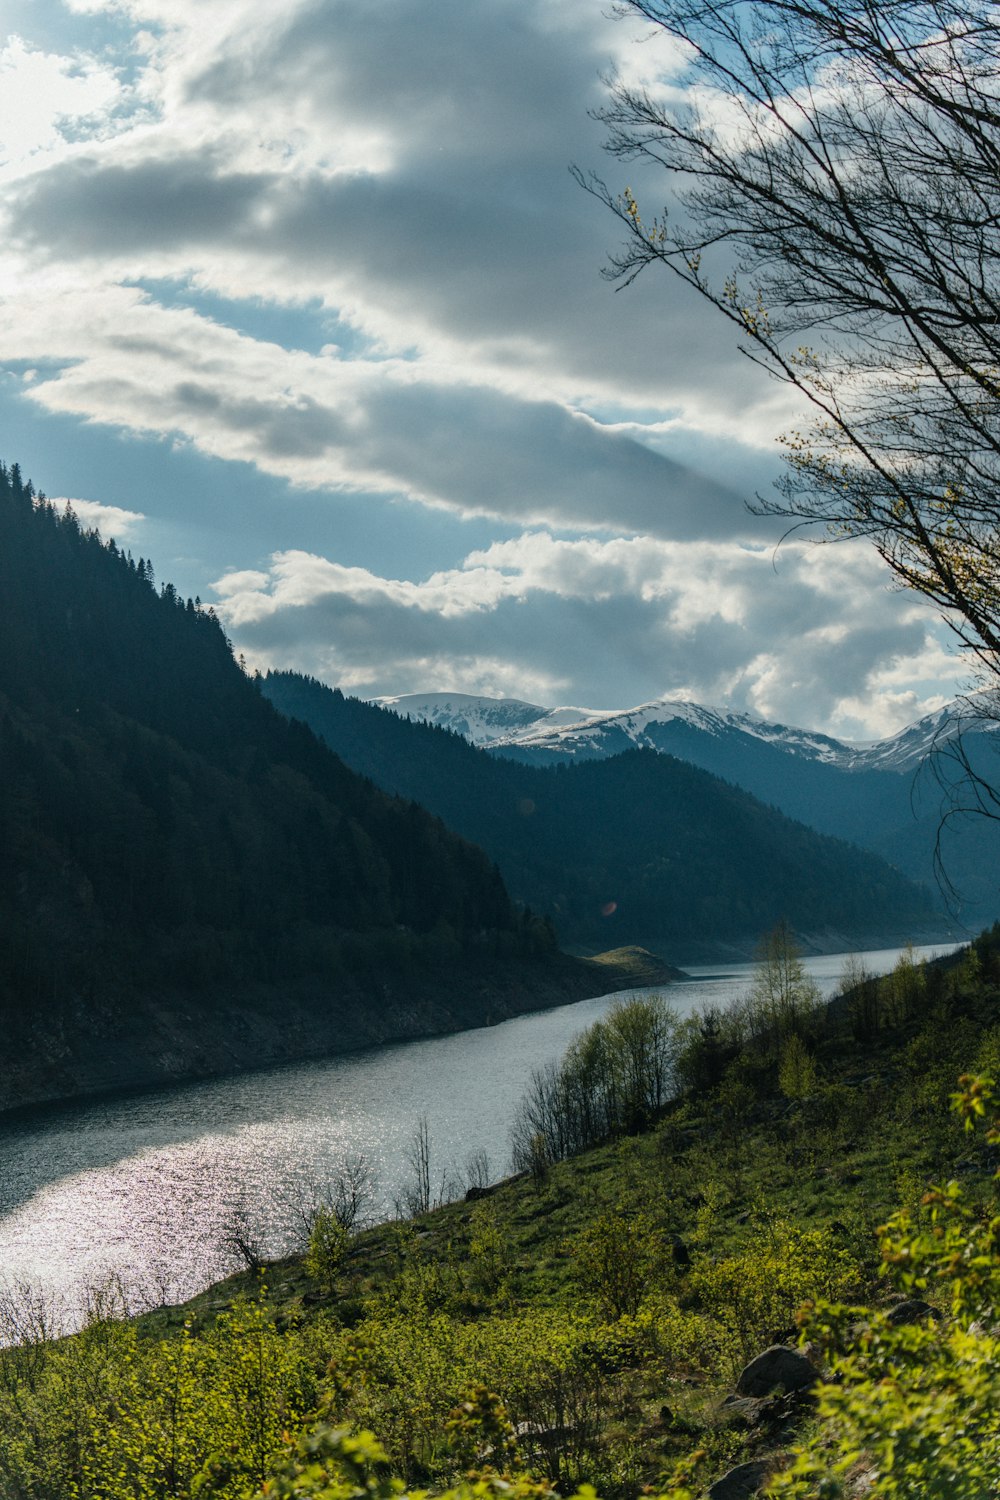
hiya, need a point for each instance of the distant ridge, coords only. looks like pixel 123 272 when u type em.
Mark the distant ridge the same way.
pixel 886 796
pixel 639 848
pixel 484 721
pixel 510 724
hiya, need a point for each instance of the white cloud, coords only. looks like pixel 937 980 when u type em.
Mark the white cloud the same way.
pixel 326 423
pixel 109 520
pixel 406 167
pixel 606 621
pixel 42 95
pixel 401 170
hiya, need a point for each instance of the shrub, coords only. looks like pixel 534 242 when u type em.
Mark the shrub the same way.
pixel 754 1295
pixel 328 1239
pixel 920 1403
pixel 616 1259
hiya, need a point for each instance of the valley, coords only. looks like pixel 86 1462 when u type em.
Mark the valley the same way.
pixel 908 798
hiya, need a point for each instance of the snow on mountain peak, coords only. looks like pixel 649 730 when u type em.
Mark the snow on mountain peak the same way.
pixel 484 721
pixel 575 732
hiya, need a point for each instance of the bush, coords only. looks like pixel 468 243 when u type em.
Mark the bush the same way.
pixel 755 1294
pixel 328 1239
pixel 918 1404
pixel 617 1258
pixel 613 1078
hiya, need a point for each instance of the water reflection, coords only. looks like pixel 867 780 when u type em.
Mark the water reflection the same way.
pixel 145 1185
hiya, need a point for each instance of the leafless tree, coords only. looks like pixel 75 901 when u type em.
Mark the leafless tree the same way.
pixel 347 1194
pixel 417 1194
pixel 351 1190
pixel 29 1319
pixel 242 1237
pixel 478 1172
pixel 834 171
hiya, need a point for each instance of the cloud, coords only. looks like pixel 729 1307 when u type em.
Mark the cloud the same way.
pixel 109 520
pixel 406 169
pixel 598 621
pixel 324 422
pixel 88 206
pixel 399 173
pixel 42 95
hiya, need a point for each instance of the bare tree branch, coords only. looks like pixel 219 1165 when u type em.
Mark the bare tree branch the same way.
pixel 834 172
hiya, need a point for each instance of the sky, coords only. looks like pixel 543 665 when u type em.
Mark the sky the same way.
pixel 299 299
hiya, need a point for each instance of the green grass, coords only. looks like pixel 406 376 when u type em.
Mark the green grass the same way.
pixel 771 1199
pixel 638 964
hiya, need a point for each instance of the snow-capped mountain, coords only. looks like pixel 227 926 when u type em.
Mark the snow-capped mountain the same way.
pixel 888 796
pixel 484 721
pixel 530 732
pixel 599 734
pixel 910 747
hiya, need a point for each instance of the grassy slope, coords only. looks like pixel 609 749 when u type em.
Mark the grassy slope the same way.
pixel 736 1175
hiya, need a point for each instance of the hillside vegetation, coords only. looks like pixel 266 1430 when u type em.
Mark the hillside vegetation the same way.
pixel 586 1321
pixel 641 848
pixel 895 813
pixel 193 877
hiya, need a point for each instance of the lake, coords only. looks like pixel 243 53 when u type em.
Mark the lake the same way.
pixel 145 1185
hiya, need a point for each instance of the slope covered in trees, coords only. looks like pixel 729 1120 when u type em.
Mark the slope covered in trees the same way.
pixel 899 814
pixel 637 848
pixel 165 833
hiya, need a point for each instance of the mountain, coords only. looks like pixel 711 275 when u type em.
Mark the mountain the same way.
pixel 484 721
pixel 637 848
pixel 190 883
pixel 889 796
pixel 526 730
pixel 487 721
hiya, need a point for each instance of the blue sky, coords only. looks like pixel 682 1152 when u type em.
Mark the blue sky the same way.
pixel 301 300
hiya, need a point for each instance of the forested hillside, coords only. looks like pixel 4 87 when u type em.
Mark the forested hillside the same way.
pixel 638 848
pixel 165 833
pixel 897 811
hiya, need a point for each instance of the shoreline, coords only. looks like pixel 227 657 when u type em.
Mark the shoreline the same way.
pixel 169 1040
pixel 127 1046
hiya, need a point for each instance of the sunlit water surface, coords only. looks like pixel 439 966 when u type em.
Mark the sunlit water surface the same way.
pixel 143 1187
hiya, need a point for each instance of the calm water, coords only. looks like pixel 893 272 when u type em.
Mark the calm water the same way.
pixel 145 1185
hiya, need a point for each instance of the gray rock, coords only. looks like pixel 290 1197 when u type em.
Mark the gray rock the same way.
pixel 777 1368
pixel 913 1310
pixel 537 1434
pixel 748 1410
pixel 680 1251
pixel 742 1482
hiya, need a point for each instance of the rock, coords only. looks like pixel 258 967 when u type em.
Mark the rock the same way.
pixel 537 1434
pixel 860 1481
pixel 776 1368
pixel 770 1418
pixel 742 1482
pixel 913 1310
pixel 680 1251
pixel 750 1412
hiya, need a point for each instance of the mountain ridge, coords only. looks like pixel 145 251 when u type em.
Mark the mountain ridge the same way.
pixel 889 796
pixel 640 847
pixel 191 884
pixel 511 723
